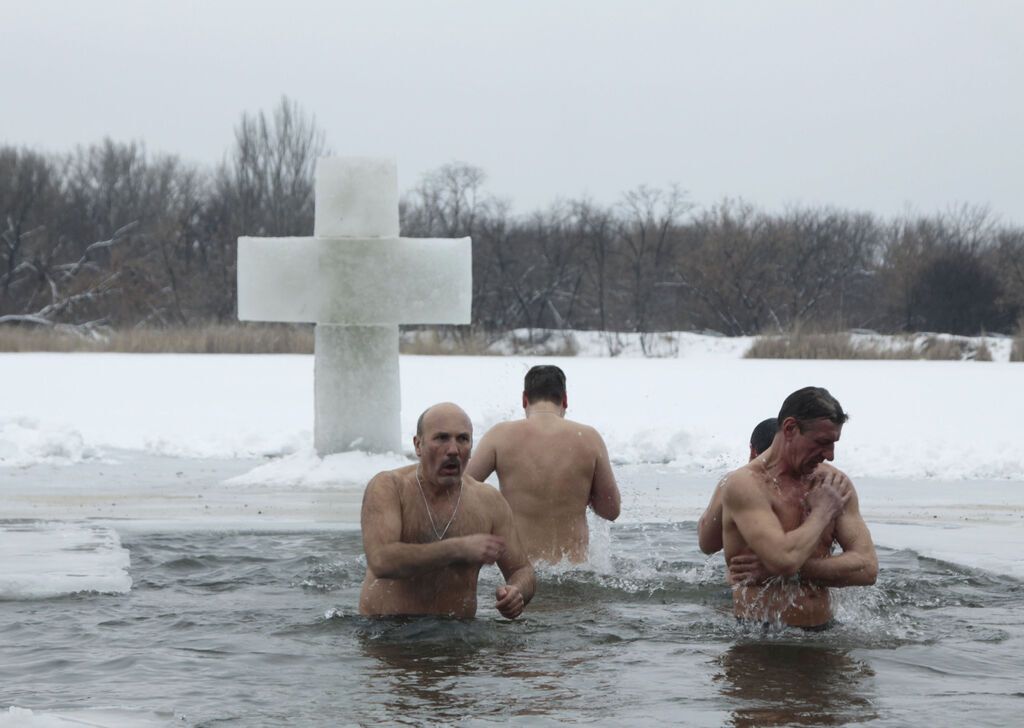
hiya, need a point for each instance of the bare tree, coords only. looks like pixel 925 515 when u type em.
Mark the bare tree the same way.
pixel 647 229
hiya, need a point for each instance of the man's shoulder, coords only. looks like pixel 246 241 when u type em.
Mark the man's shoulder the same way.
pixel 584 430
pixel 740 482
pixel 489 497
pixel 501 431
pixel 829 468
pixel 391 478
pixel 581 426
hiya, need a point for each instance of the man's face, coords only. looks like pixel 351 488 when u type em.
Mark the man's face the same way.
pixel 813 446
pixel 445 446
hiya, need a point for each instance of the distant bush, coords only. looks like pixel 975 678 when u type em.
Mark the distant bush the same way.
pixel 805 346
pixel 799 345
pixel 443 341
pixel 983 353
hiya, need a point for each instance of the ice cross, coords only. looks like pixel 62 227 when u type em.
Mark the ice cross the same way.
pixel 356 280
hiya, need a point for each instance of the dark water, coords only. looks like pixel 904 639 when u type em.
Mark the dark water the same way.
pixel 259 629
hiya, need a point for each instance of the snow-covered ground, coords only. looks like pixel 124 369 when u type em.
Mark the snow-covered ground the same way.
pixel 910 419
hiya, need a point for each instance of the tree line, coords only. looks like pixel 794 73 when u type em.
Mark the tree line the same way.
pixel 110 235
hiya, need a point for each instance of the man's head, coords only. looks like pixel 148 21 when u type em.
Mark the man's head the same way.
pixel 545 383
pixel 762 436
pixel 443 442
pixel 811 421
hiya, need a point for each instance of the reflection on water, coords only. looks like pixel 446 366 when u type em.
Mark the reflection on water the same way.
pixel 455 669
pixel 782 684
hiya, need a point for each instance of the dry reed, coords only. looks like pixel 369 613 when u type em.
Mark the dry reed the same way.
pixel 799 345
pixel 209 339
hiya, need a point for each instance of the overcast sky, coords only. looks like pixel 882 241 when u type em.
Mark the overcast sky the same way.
pixel 883 106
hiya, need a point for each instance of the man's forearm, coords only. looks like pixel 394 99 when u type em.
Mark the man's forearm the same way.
pixel 797 546
pixel 404 560
pixel 709 532
pixel 846 569
pixel 525 581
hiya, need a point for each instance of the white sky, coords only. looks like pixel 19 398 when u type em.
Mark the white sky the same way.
pixel 875 105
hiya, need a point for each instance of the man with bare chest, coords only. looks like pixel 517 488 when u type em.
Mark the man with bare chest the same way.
pixel 550 469
pixel 787 508
pixel 429 528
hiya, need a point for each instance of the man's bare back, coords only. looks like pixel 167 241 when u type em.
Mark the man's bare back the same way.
pixel 549 470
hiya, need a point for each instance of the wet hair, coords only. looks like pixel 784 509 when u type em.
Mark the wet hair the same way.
pixel 544 383
pixel 762 436
pixel 812 403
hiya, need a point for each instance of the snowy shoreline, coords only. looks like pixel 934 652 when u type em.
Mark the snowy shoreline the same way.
pixel 910 419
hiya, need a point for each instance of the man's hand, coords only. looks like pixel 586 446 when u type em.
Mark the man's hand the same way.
pixel 831 495
pixel 482 548
pixel 510 601
pixel 746 569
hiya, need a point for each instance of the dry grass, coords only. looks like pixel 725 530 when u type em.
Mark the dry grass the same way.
pixel 462 341
pixel 244 338
pixel 446 342
pixel 983 353
pixel 211 339
pixel 821 346
pixel 800 345
pixel 1017 351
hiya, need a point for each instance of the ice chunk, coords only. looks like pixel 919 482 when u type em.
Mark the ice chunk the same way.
pixel 41 560
pixel 356 197
pixel 16 717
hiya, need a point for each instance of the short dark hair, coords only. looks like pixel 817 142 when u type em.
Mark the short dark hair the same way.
pixel 812 403
pixel 762 436
pixel 544 382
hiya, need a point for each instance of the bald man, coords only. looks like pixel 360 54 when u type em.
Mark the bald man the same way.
pixel 429 528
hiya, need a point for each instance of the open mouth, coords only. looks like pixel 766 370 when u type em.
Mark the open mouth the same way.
pixel 450 469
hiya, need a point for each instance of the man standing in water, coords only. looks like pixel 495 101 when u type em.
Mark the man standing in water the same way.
pixel 550 469
pixel 787 507
pixel 428 529
pixel 709 527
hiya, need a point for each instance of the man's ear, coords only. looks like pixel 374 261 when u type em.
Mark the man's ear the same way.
pixel 526 402
pixel 790 427
pixel 416 444
pixel 565 401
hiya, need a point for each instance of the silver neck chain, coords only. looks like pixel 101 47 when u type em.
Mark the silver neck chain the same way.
pixel 774 480
pixel 438 534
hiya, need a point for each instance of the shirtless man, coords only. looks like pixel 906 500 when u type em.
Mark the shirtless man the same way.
pixel 787 507
pixel 550 469
pixel 428 529
pixel 709 527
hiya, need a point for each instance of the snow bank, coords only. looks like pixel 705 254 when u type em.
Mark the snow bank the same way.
pixel 910 419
